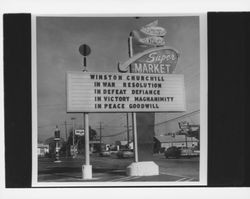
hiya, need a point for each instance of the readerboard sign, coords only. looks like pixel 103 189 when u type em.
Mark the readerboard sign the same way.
pixel 124 92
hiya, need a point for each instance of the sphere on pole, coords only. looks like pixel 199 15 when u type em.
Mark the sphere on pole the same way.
pixel 84 50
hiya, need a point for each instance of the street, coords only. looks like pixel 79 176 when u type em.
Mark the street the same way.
pixel 112 169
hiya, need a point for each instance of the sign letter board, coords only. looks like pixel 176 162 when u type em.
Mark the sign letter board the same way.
pixel 124 92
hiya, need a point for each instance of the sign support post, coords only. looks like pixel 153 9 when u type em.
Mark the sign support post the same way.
pixel 133 114
pixel 73 152
pixel 73 132
pixel 139 168
pixel 87 168
pixel 87 138
pixel 135 137
pixel 127 130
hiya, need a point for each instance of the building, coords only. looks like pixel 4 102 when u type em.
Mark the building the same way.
pixel 96 145
pixel 166 141
pixel 42 149
pixel 123 145
pixel 171 122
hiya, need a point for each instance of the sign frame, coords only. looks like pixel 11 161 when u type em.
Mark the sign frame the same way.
pixel 182 90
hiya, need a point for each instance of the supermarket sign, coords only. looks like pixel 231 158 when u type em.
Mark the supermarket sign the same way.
pixel 160 60
pixel 124 92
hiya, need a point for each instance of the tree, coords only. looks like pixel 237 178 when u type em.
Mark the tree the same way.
pixel 80 140
pixel 92 133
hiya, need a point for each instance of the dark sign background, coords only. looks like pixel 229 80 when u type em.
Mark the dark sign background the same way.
pixel 145 121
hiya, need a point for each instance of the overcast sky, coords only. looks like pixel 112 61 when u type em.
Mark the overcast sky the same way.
pixel 58 40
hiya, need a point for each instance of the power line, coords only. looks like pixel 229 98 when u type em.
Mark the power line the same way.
pixel 49 105
pixel 52 125
pixel 121 116
pixel 120 133
pixel 185 115
pixel 109 127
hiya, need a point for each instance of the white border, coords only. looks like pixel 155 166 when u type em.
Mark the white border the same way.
pixel 203 109
pixel 65 7
pixel 203 98
pixel 34 133
pixel 120 6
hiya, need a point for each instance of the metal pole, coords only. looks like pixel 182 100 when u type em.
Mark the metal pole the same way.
pixel 100 137
pixel 186 140
pixel 86 139
pixel 127 130
pixel 83 121
pixel 73 136
pixel 87 168
pixel 73 130
pixel 133 114
pixel 66 137
pixel 84 64
pixel 135 137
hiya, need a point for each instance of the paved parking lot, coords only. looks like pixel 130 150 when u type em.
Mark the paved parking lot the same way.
pixel 112 169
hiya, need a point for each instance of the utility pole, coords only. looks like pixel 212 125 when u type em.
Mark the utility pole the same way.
pixel 66 135
pixel 186 140
pixel 73 129
pixel 73 136
pixel 100 136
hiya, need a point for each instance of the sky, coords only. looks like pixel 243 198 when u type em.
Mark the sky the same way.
pixel 58 41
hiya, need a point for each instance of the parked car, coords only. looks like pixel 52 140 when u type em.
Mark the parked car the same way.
pixel 105 153
pixel 125 154
pixel 173 152
pixel 177 152
pixel 113 152
pixel 196 153
pixel 186 152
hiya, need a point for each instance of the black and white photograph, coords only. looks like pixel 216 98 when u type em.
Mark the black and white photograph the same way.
pixel 124 99
pixel 119 100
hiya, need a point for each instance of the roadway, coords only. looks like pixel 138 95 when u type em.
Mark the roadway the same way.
pixel 112 169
